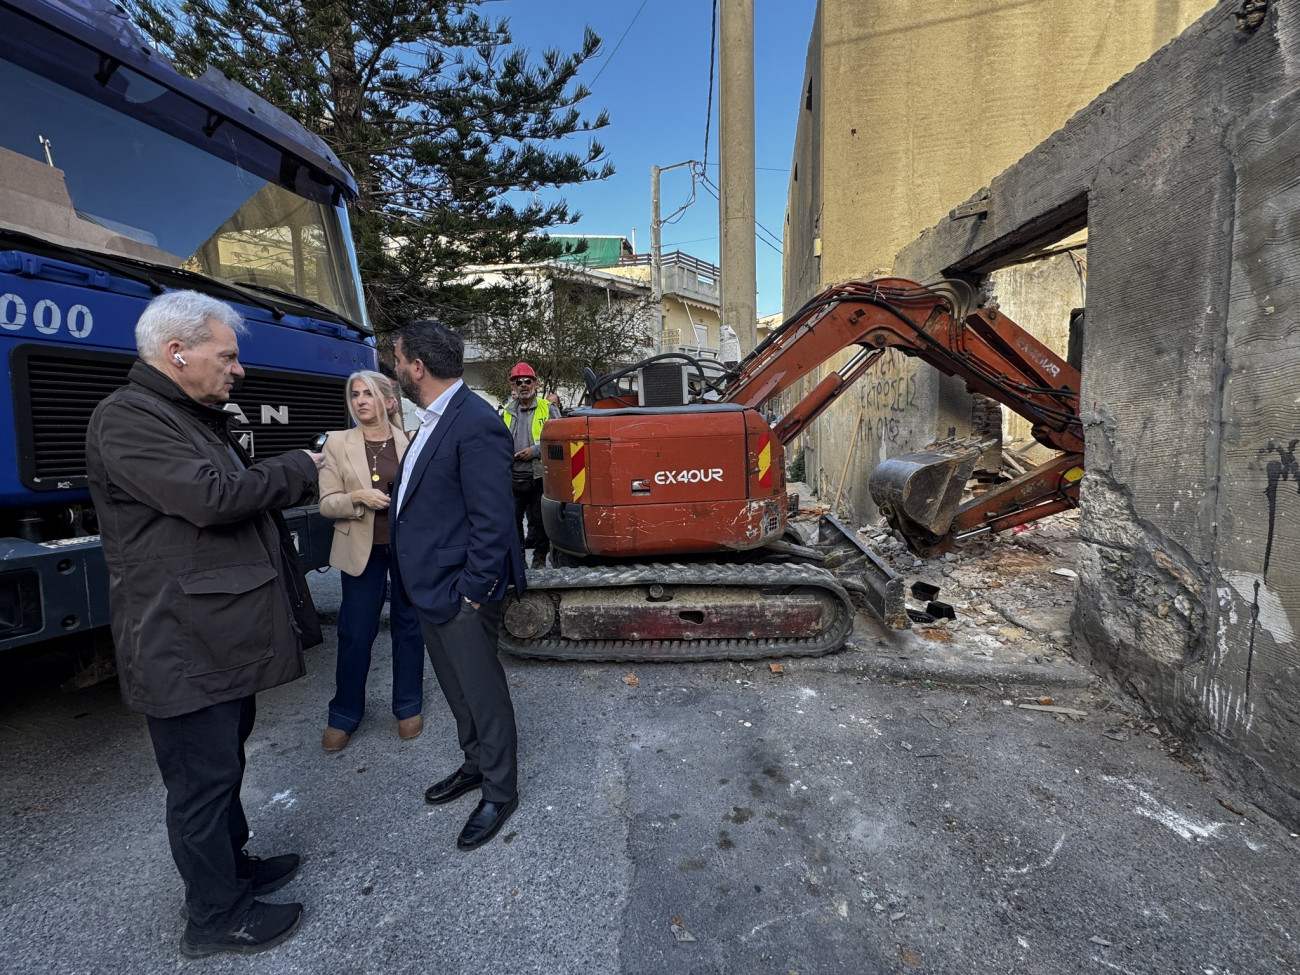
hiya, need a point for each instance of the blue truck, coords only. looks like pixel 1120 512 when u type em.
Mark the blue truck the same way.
pixel 120 179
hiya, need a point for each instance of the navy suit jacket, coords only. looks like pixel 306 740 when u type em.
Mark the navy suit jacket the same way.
pixel 455 533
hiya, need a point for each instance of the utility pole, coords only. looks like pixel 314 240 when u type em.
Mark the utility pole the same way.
pixel 736 169
pixel 656 263
pixel 656 254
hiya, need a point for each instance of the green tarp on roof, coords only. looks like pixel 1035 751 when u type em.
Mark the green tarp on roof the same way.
pixel 600 251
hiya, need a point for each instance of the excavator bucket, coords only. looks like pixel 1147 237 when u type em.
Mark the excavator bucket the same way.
pixel 919 493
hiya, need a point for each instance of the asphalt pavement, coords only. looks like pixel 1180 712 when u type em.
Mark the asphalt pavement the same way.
pixel 908 805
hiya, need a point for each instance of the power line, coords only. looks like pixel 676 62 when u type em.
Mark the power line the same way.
pixel 695 179
pixel 708 111
pixel 768 243
pixel 769 233
pixel 762 169
pixel 716 192
pixel 620 42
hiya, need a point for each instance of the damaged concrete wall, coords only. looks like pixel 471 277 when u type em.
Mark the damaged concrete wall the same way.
pixel 905 109
pixel 1185 175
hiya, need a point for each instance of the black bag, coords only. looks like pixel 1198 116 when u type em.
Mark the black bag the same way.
pixel 521 481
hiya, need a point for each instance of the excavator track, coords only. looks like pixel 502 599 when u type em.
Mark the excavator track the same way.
pixel 653 613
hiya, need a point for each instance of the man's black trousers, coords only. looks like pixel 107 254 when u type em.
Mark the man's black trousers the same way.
pixel 463 651
pixel 530 503
pixel 201 757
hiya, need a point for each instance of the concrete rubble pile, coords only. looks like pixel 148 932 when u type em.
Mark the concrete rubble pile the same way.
pixel 1012 591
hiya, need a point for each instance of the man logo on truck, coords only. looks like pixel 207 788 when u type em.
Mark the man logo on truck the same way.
pixel 278 414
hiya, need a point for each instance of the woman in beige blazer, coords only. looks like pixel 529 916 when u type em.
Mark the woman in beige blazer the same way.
pixel 355 483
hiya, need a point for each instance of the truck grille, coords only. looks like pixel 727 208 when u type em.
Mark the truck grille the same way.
pixel 286 410
pixel 56 389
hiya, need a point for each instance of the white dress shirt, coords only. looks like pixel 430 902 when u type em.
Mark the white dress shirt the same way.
pixel 429 418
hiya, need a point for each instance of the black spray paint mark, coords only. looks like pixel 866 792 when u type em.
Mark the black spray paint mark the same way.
pixel 1284 468
pixel 1250 655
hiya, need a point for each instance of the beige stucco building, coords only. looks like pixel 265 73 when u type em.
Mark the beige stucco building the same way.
pixel 905 111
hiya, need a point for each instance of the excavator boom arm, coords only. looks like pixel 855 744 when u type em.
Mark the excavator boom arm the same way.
pixel 986 349
pixel 920 493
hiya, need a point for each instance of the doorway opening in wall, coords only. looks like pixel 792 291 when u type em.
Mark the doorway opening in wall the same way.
pixel 1032 295
pixel 1045 292
pixel 992 501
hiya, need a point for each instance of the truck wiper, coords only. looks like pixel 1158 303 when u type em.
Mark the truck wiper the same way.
pixel 89 258
pixel 296 299
pixel 209 284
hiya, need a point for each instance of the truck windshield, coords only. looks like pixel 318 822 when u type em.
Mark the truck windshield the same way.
pixel 114 168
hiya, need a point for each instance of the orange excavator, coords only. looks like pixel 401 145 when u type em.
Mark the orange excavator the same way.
pixel 665 497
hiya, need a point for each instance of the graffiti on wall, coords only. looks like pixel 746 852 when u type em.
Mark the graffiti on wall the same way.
pixel 888 394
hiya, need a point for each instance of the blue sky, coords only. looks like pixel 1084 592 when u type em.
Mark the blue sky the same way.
pixel 654 82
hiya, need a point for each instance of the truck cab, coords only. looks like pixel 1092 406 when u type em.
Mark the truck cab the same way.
pixel 121 179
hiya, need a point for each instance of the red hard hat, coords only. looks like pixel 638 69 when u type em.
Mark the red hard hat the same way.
pixel 522 369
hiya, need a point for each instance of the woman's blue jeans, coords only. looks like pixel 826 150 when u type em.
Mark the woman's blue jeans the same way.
pixel 363 601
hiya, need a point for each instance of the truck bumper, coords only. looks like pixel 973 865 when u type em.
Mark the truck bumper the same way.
pixel 52 589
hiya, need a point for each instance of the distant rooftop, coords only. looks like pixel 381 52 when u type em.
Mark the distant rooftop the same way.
pixel 615 252
pixel 599 252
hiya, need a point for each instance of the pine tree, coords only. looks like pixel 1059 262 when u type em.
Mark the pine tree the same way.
pixel 446 125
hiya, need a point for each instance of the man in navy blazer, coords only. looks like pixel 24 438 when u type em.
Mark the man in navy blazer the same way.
pixel 456 553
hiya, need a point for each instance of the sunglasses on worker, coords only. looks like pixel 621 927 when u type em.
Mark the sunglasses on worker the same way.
pixel 522 380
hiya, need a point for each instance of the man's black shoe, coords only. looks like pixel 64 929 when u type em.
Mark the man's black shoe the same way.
pixel 456 784
pixel 484 822
pixel 259 927
pixel 270 874
pixel 267 875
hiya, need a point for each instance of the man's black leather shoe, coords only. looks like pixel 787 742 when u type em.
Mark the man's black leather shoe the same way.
pixel 456 784
pixel 484 822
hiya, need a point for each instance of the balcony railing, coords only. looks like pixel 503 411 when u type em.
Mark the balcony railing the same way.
pixel 676 259
pixel 673 343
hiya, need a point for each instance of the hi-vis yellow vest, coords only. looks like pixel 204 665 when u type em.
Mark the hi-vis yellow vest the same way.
pixel 540 416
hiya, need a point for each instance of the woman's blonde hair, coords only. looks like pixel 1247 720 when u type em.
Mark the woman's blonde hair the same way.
pixel 381 388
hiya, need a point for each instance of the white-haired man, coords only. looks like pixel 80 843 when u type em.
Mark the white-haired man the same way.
pixel 207 601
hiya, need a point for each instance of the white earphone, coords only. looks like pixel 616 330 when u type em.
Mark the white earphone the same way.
pixel 177 357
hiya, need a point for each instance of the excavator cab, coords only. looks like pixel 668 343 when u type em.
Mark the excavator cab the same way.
pixel 670 379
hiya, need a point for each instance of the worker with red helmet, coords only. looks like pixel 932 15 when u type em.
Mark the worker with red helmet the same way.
pixel 524 414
